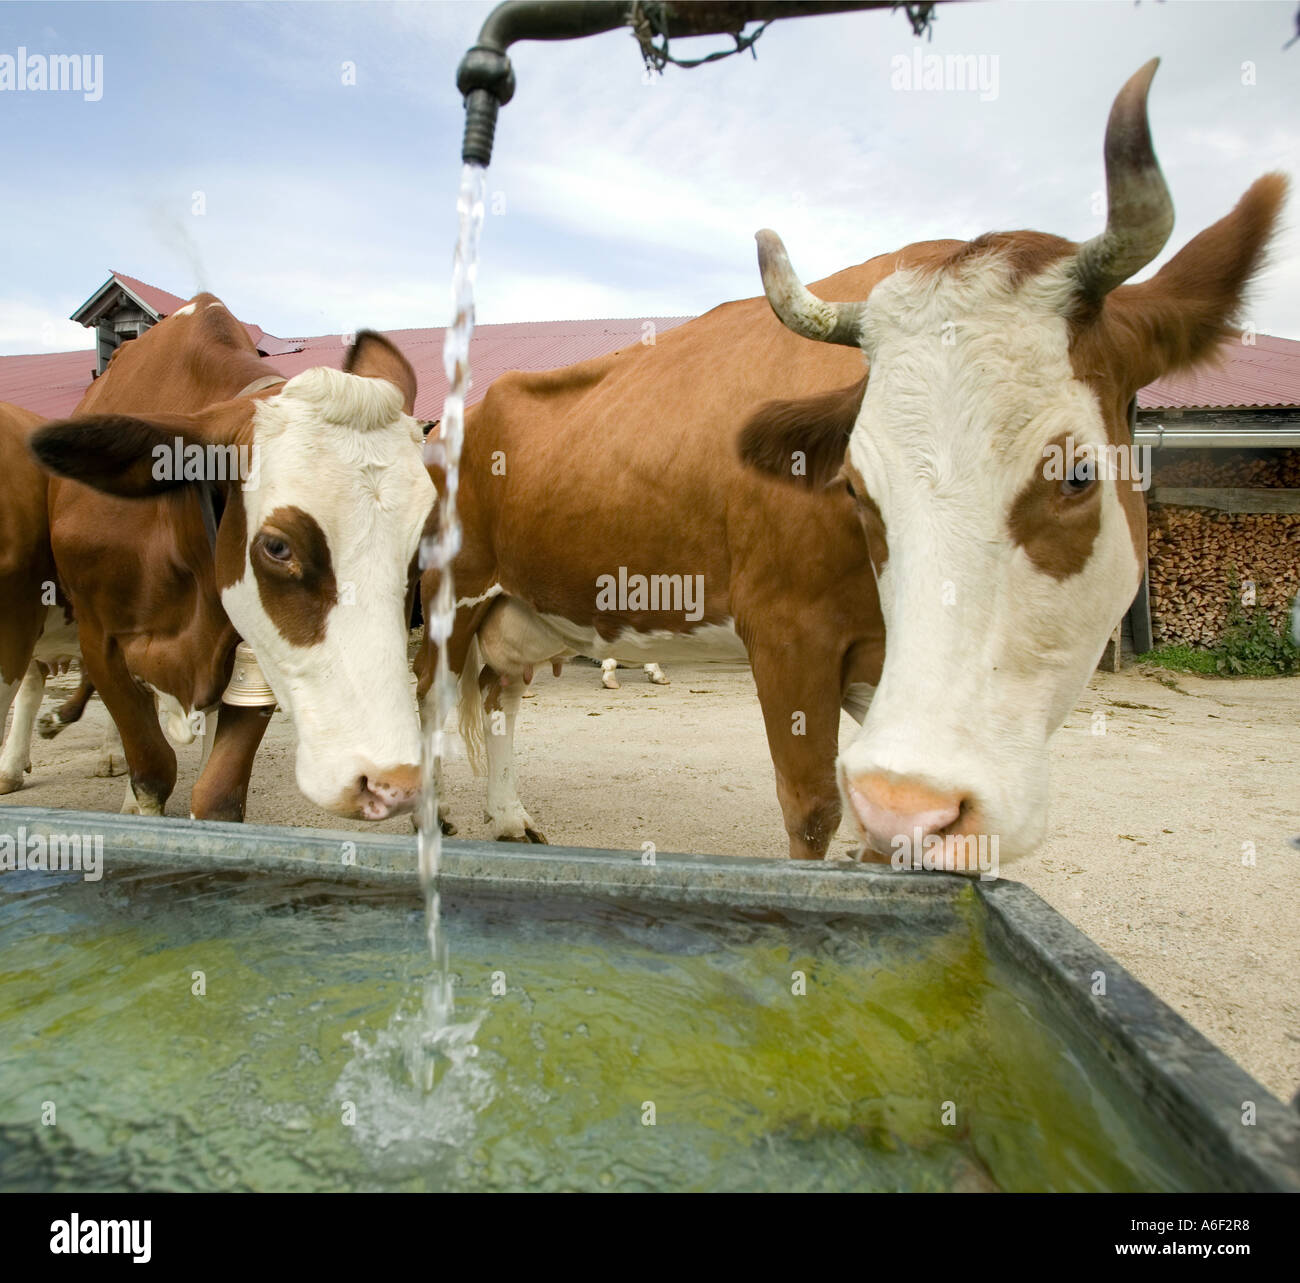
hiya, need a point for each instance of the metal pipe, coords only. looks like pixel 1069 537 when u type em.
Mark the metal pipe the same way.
pixel 487 80
pixel 1218 438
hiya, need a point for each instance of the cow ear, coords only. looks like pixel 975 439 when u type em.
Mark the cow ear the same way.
pixel 375 357
pixel 802 442
pixel 1179 316
pixel 134 457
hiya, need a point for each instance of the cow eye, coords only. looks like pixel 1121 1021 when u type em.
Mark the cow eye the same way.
pixel 1080 478
pixel 848 485
pixel 276 548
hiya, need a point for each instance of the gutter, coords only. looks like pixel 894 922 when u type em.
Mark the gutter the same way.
pixel 1286 435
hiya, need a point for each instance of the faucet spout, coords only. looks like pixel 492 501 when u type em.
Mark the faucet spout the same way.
pixel 487 80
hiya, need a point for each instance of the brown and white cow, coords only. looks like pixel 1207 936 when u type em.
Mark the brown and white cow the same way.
pixel 997 584
pixel 33 617
pixel 318 499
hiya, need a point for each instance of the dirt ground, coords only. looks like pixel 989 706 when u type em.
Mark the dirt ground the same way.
pixel 1148 837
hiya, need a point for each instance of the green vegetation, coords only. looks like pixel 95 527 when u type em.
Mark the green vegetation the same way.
pixel 1250 647
pixel 1182 659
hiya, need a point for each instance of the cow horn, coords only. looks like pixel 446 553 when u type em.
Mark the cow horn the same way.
pixel 1140 214
pixel 796 308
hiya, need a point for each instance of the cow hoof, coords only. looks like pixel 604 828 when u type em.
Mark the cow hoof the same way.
pixel 534 837
pixel 445 826
pixel 49 726
pixel 10 783
pixel 133 805
pixel 108 767
pixel 609 682
pixel 658 679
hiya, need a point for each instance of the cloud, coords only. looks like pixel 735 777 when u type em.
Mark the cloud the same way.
pixel 27 327
pixel 626 195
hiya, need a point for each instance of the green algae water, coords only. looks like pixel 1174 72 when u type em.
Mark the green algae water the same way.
pixel 205 1032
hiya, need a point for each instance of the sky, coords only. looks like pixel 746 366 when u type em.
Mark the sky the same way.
pixel 232 149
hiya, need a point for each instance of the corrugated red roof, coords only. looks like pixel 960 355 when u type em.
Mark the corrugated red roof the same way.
pixel 1263 375
pixel 51 385
pixel 160 300
pixel 48 384
pixel 524 345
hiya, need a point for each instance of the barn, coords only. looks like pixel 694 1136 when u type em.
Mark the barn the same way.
pixel 1222 444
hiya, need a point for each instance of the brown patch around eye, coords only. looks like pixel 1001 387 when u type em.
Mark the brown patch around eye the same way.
pixel 300 595
pixel 1055 530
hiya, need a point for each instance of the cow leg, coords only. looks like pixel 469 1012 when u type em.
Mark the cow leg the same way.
pixel 801 711
pixel 7 692
pixel 444 815
pixel 69 711
pixel 609 674
pixel 505 812
pixel 149 757
pixel 15 759
pixel 221 791
pixel 208 735
pixel 112 757
pixel 655 674
pixel 445 823
pixel 511 641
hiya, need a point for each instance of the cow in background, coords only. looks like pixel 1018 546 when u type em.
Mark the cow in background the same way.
pixel 310 559
pixel 29 598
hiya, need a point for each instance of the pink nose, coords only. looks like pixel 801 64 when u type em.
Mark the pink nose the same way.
pixel 386 793
pixel 888 809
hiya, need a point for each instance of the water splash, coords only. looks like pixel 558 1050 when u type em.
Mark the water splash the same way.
pixel 442 1038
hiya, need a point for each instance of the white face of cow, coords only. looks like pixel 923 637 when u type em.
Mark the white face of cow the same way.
pixel 328 535
pixel 1000 572
pixel 999 581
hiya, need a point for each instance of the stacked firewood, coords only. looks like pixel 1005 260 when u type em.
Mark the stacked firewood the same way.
pixel 1201 559
pixel 1233 468
pixel 1198 558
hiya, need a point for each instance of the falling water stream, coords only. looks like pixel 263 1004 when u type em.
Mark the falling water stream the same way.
pixel 443 1038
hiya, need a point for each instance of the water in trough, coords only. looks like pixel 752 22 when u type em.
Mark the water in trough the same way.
pixel 620 1047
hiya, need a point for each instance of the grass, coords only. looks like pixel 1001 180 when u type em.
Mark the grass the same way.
pixel 1249 647
pixel 1182 659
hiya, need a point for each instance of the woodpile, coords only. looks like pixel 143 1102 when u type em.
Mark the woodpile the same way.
pixel 1197 555
pixel 1267 468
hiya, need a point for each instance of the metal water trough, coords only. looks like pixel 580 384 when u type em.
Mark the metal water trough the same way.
pixel 1194 1092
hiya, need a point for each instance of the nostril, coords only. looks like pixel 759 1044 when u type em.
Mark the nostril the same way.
pixel 395 787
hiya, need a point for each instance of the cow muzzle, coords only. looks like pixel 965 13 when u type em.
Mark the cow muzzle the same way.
pixel 895 813
pixel 379 794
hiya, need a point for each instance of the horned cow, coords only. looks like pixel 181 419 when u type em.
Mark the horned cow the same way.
pixel 884 481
